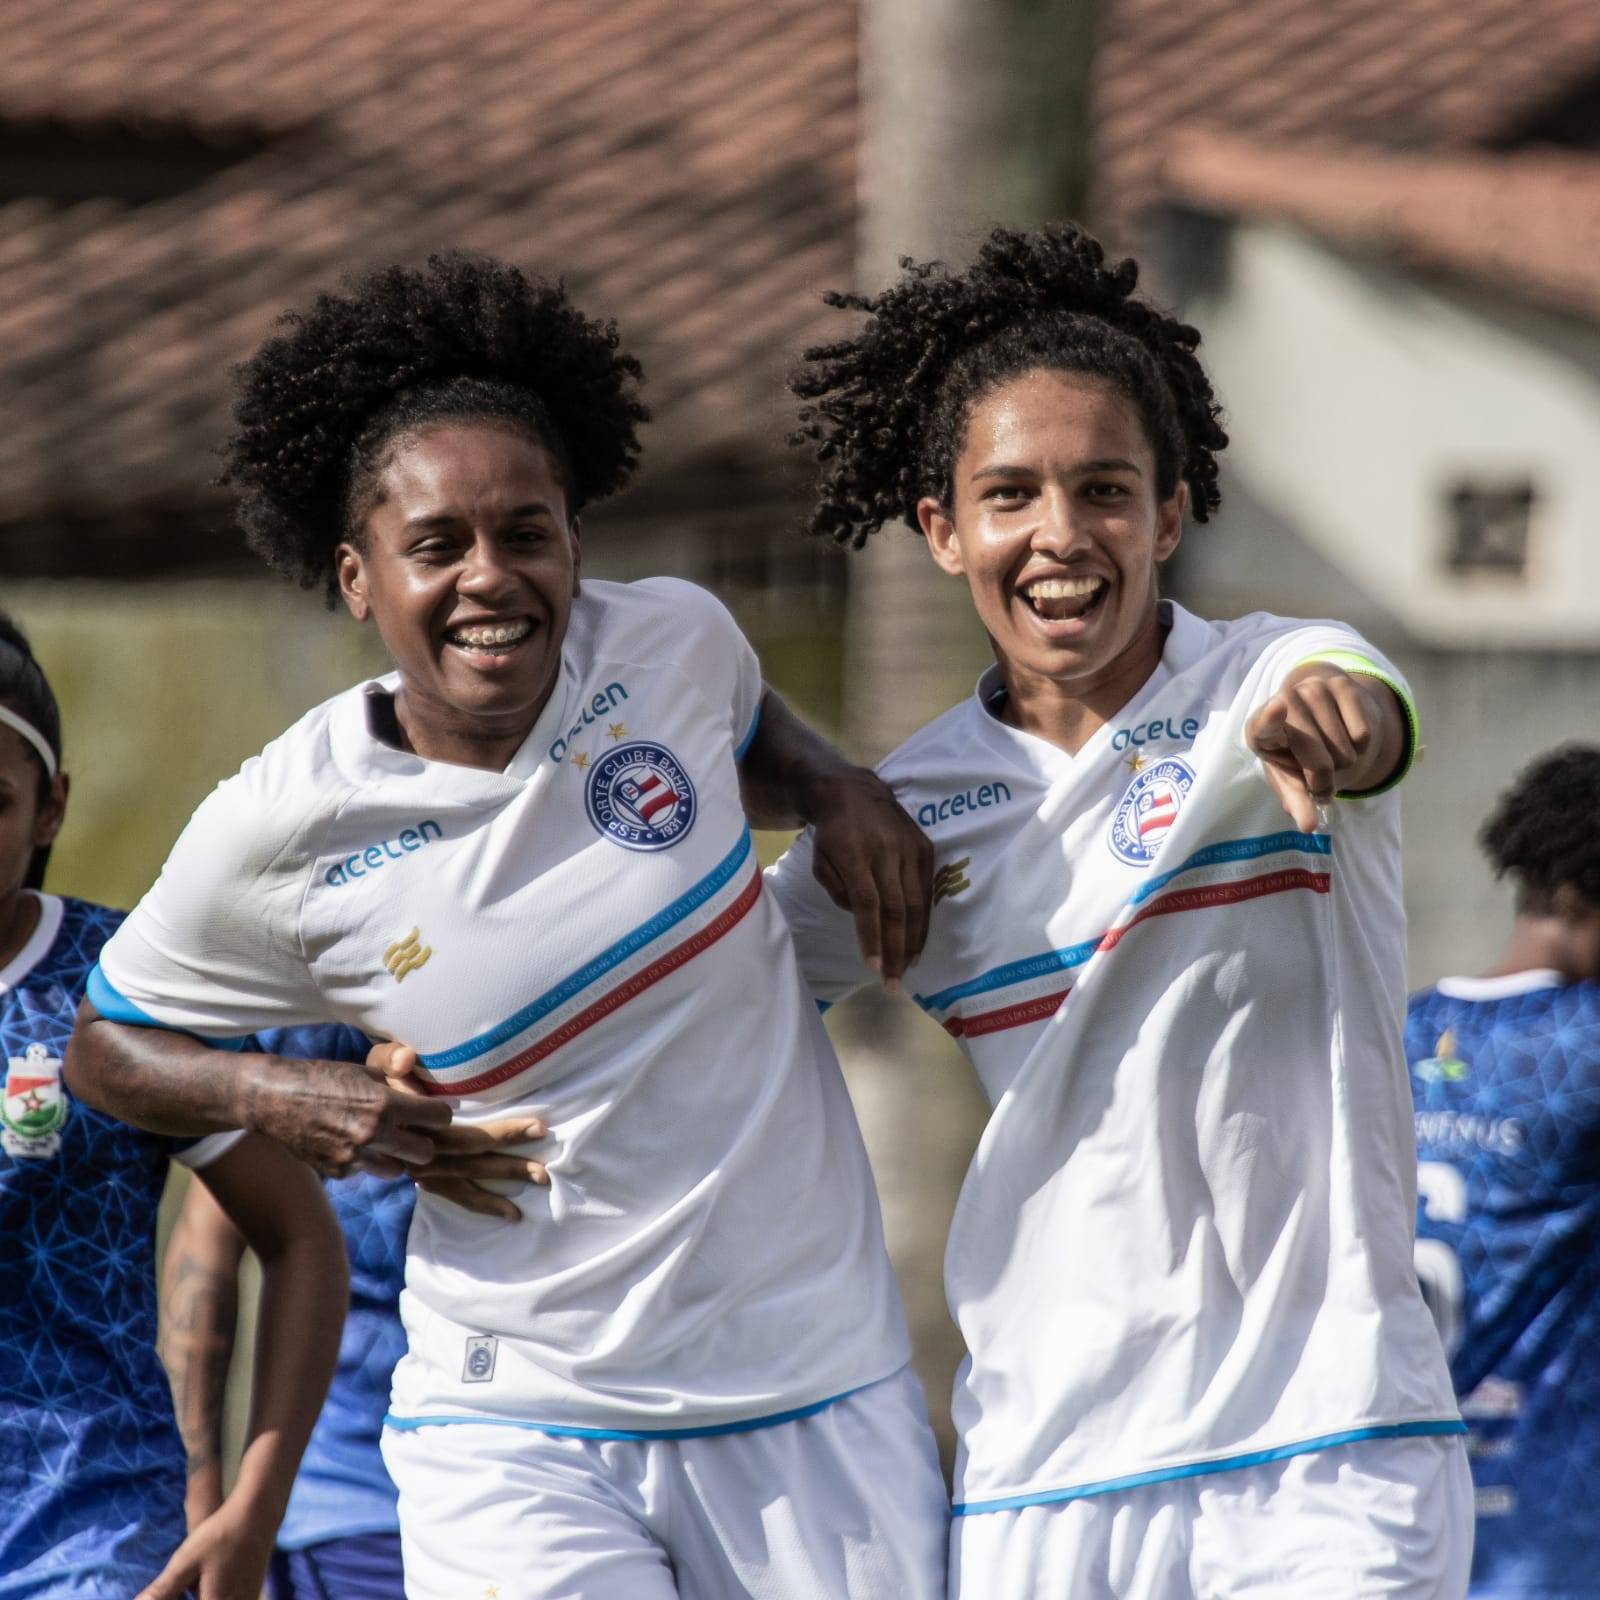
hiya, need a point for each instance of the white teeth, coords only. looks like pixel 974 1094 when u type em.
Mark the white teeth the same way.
pixel 487 635
pixel 1063 588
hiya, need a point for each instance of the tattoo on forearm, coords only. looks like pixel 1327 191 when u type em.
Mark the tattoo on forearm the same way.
pixel 199 1307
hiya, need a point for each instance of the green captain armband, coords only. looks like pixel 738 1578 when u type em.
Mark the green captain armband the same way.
pixel 1353 662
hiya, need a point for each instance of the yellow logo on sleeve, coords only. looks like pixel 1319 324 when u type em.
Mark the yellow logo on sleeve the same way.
pixel 405 955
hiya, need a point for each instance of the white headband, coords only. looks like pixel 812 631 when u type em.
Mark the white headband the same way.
pixel 33 736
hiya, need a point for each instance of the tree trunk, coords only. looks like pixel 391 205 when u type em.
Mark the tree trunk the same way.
pixel 973 116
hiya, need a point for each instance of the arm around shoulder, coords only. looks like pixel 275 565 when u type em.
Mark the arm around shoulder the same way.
pixel 865 852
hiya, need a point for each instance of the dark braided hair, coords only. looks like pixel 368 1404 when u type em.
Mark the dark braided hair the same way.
pixel 886 411
pixel 25 690
pixel 1541 833
pixel 465 338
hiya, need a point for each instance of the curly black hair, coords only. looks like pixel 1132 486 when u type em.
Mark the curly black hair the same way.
pixel 25 690
pixel 1541 833
pixel 886 411
pixel 465 337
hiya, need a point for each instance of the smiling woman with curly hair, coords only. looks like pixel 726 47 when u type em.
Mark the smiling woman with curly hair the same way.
pixel 1199 1362
pixel 663 1352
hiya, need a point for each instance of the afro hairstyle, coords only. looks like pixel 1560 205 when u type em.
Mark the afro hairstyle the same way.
pixel 463 338
pixel 886 411
pixel 1541 833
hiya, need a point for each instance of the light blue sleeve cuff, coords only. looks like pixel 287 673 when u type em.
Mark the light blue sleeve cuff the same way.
pixel 1364 666
pixel 749 736
pixel 116 1007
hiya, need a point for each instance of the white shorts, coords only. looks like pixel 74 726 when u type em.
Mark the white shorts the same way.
pixel 1390 1517
pixel 847 1504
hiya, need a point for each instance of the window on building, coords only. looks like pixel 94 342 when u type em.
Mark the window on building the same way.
pixel 1488 526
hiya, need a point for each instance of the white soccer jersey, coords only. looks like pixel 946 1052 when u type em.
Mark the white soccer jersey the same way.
pixel 584 936
pixel 1185 1241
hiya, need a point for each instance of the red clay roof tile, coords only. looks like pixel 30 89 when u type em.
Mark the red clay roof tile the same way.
pixel 687 164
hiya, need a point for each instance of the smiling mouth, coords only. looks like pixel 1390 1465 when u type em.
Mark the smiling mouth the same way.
pixel 489 638
pixel 1064 599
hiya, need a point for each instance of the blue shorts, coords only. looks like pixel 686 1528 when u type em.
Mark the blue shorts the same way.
pixel 366 1567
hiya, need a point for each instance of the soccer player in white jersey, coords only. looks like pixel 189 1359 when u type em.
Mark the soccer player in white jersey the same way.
pixel 682 1369
pixel 1199 1363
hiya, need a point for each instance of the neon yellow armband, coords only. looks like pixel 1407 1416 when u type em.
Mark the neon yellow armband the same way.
pixel 1352 661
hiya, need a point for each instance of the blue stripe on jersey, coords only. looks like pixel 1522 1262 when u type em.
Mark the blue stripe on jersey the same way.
pixel 749 736
pixel 1049 961
pixel 1013 972
pixel 592 971
pixel 1200 1469
pixel 1267 844
pixel 646 1435
pixel 116 1007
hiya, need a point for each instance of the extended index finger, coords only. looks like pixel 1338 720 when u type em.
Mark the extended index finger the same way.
pixel 892 920
pixel 860 897
pixel 917 883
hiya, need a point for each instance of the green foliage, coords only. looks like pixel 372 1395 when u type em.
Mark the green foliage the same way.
pixel 166 688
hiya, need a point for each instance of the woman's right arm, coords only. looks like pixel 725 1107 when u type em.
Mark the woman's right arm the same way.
pixel 336 1116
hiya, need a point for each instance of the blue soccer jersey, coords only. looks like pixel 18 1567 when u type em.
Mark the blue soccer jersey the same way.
pixel 343 1488
pixel 1506 1075
pixel 92 1471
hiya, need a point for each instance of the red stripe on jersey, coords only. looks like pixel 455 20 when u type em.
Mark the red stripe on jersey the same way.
pixel 1016 1016
pixel 643 979
pixel 648 808
pixel 1221 894
pixel 1159 816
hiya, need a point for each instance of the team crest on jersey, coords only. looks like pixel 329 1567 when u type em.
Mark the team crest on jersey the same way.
pixel 34 1109
pixel 1148 809
pixel 1444 1065
pixel 640 797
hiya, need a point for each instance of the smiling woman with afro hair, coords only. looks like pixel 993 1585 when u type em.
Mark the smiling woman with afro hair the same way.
pixel 647 1262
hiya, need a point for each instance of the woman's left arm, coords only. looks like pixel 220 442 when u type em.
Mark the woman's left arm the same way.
pixel 277 1204
pixel 872 859
pixel 1328 732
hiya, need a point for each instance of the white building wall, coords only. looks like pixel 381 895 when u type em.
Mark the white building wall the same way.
pixel 1354 395
pixel 1358 395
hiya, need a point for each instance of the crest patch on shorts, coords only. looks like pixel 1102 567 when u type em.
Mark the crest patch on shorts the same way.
pixel 478 1364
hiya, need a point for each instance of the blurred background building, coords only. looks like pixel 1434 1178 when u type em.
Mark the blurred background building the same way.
pixel 1383 214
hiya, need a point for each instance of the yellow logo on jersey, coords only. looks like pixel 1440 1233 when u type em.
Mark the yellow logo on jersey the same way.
pixel 951 879
pixel 405 955
pixel 616 729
